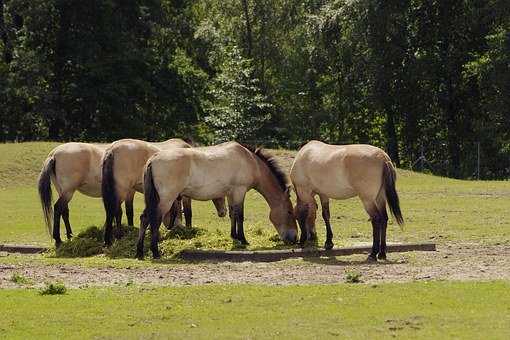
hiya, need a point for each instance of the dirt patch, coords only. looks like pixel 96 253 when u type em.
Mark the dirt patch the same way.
pixel 450 262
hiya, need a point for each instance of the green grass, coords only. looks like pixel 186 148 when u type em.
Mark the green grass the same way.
pixel 20 279
pixel 436 209
pixel 413 310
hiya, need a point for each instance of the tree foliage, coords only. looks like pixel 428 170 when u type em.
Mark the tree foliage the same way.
pixel 419 78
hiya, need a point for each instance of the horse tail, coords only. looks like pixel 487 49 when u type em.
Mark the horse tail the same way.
pixel 151 196
pixel 389 179
pixel 44 187
pixel 108 189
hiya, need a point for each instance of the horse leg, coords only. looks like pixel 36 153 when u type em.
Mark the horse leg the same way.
pixel 239 214
pixel 383 227
pixel 118 223
pixel 163 208
pixel 65 217
pixel 186 204
pixel 301 213
pixel 108 225
pixel 326 216
pixel 219 204
pixel 57 212
pixel 144 222
pixel 129 209
pixel 237 202
pixel 169 220
pixel 177 222
pixel 376 219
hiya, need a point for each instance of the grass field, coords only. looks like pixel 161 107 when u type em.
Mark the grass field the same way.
pixel 435 208
pixel 417 310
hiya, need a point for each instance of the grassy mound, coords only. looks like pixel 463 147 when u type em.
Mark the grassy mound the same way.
pixel 90 242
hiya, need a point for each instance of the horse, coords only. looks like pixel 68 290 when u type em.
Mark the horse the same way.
pixel 229 169
pixel 71 167
pixel 122 170
pixel 341 172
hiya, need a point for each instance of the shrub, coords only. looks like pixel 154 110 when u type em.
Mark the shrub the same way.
pixel 54 289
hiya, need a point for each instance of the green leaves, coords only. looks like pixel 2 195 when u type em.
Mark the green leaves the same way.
pixel 237 109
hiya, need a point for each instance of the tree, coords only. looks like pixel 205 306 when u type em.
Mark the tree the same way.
pixel 237 109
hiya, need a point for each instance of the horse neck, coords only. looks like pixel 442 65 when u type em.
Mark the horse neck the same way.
pixel 268 186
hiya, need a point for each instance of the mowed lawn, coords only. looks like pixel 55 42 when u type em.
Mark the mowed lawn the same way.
pixel 417 310
pixel 435 209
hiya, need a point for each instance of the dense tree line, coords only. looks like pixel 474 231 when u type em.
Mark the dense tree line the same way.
pixel 424 78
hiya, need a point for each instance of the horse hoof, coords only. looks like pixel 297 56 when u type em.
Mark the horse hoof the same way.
pixel 381 256
pixel 69 236
pixel 139 256
pixel 328 245
pixel 372 258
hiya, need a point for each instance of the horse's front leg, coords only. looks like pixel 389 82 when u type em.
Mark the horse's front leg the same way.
pixel 301 214
pixel 236 205
pixel 239 210
pixel 144 222
pixel 188 214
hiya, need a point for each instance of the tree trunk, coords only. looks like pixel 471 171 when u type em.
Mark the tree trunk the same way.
pixel 391 134
pixel 4 36
pixel 248 28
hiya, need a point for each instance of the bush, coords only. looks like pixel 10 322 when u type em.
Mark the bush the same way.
pixel 20 279
pixel 353 277
pixel 54 289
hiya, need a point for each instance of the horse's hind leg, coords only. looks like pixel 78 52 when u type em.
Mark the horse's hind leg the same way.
pixel 383 227
pixel 118 224
pixel 59 210
pixel 326 216
pixel 379 220
pixel 129 209
pixel 65 217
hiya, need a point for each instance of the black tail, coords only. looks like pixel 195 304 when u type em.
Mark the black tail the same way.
pixel 151 197
pixel 389 179
pixel 45 195
pixel 108 190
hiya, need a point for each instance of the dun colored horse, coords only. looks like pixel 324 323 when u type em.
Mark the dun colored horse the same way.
pixel 229 169
pixel 71 167
pixel 123 166
pixel 341 172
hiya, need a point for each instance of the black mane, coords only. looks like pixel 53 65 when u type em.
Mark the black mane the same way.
pixel 271 163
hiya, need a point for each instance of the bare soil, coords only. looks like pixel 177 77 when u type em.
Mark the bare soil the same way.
pixel 450 262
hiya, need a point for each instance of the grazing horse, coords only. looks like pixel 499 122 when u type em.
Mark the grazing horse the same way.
pixel 229 169
pixel 71 167
pixel 122 171
pixel 341 172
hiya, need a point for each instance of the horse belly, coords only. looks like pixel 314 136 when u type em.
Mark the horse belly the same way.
pixel 205 191
pixel 335 186
pixel 90 189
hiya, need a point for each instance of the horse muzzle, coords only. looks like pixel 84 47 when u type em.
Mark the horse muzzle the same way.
pixel 290 237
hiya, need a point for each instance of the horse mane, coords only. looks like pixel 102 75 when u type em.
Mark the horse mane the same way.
pixel 271 163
